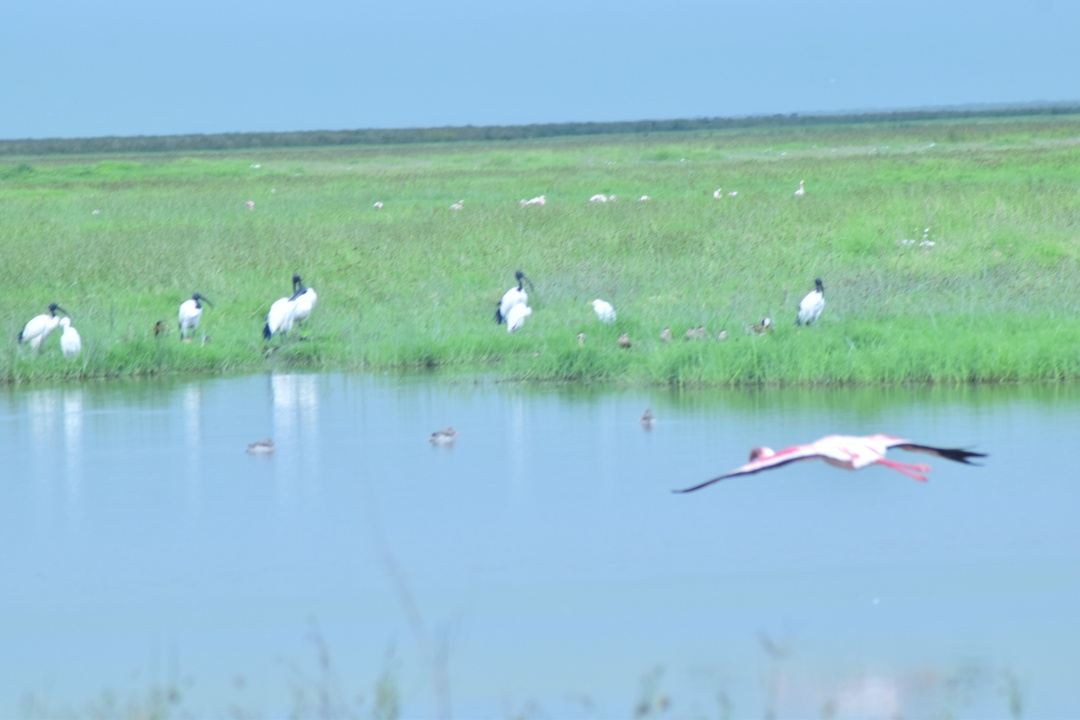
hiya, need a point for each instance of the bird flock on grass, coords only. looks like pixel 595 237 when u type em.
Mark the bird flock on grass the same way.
pixel 289 312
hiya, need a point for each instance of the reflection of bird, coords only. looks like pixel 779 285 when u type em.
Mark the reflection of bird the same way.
pixel 847 452
pixel 446 436
pixel 261 447
pixel 39 326
pixel 604 311
pixel 811 306
pixel 70 342
pixel 624 340
pixel 648 419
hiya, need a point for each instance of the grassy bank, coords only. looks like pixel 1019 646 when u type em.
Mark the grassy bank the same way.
pixel 121 241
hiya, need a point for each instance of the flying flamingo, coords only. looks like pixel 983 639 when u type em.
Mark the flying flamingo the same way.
pixel 845 451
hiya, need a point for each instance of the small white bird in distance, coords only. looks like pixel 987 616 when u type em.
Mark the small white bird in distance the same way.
pixel 604 311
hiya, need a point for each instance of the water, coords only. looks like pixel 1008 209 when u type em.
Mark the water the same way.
pixel 540 567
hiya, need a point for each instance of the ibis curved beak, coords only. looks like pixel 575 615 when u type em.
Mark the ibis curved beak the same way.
pixel 203 298
pixel 63 311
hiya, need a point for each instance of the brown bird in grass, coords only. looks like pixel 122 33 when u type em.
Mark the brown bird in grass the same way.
pixel 159 328
pixel 665 335
pixel 624 340
pixel 697 333
pixel 765 326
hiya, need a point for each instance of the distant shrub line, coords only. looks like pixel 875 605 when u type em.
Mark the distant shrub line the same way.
pixel 471 133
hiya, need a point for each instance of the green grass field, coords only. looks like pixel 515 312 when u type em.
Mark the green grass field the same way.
pixel 414 285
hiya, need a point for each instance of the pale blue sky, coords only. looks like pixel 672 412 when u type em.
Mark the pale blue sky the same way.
pixel 131 67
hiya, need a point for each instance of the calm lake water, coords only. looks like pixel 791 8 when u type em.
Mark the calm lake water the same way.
pixel 540 567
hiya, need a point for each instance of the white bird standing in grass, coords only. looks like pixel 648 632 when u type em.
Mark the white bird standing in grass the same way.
pixel 811 306
pixel 304 299
pixel 604 311
pixel 515 319
pixel 39 327
pixel 801 190
pixel 70 342
pixel 513 296
pixel 279 320
pixel 190 312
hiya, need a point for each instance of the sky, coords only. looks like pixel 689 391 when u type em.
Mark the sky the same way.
pixel 71 68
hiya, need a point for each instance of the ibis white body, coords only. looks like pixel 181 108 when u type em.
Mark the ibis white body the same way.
pixel 604 311
pixel 190 312
pixel 514 296
pixel 811 306
pixel 515 319
pixel 279 320
pixel 40 326
pixel 303 304
pixel 70 342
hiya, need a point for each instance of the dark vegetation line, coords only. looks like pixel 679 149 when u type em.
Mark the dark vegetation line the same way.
pixel 471 133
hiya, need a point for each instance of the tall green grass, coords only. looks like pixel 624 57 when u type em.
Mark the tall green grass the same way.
pixel 414 286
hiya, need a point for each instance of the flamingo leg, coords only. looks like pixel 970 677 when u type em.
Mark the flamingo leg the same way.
pixel 913 471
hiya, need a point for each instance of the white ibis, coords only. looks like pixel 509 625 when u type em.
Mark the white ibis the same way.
pixel 801 189
pixel 279 320
pixel 811 306
pixel 190 312
pixel 605 313
pixel 39 327
pixel 444 437
pixel 514 296
pixel 304 299
pixel 515 319
pixel 70 342
pixel 847 452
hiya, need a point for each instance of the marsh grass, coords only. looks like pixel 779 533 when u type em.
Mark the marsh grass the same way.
pixel 414 286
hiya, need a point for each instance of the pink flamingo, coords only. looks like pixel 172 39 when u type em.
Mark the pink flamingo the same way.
pixel 845 451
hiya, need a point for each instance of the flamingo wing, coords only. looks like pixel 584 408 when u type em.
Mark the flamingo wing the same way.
pixel 777 459
pixel 959 455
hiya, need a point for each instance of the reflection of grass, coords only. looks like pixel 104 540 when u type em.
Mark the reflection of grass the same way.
pixel 413 286
pixel 319 693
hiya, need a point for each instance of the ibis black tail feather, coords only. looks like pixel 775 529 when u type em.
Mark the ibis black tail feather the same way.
pixel 266 332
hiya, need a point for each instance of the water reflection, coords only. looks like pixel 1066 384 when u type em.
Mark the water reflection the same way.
pixel 547 539
pixel 295 400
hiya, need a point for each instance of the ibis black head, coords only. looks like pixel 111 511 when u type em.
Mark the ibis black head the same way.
pixel 199 298
pixel 818 286
pixel 53 307
pixel 519 276
pixel 296 282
